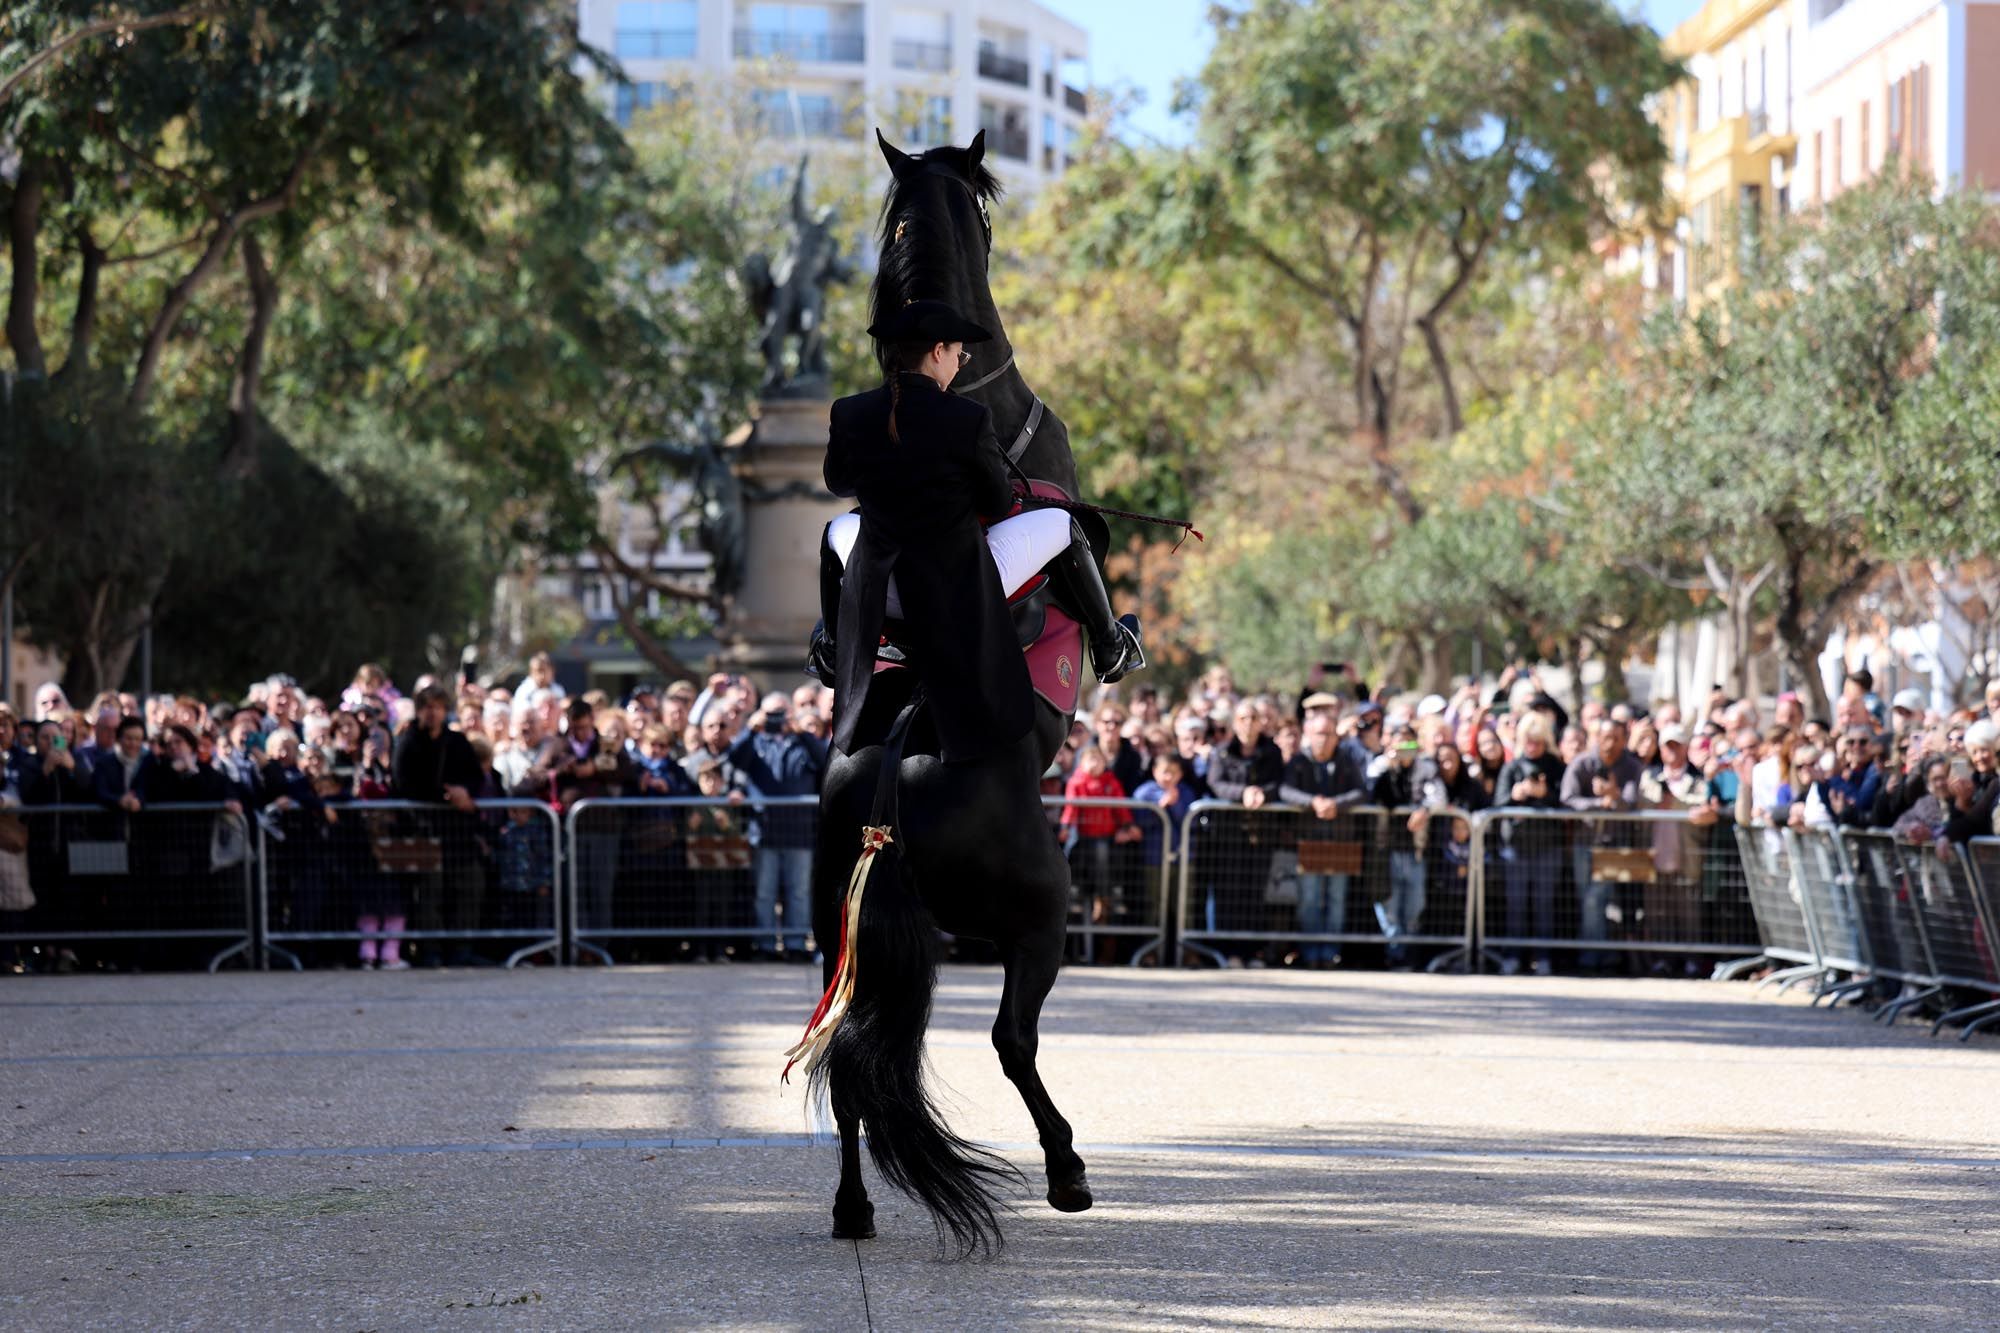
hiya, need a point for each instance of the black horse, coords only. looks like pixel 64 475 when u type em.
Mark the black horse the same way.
pixel 973 853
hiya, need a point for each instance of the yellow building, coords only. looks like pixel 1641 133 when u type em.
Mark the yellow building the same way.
pixel 1732 138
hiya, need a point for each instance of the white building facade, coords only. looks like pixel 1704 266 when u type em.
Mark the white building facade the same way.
pixel 928 73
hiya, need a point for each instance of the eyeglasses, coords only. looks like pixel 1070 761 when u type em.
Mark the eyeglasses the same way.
pixel 964 358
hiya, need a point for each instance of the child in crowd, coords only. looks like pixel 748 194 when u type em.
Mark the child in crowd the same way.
pixel 527 871
pixel 1097 830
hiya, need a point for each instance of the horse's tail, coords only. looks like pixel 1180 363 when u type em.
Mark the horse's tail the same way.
pixel 872 1070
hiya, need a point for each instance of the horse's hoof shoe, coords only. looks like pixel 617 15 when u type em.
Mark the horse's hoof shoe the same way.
pixel 1073 1197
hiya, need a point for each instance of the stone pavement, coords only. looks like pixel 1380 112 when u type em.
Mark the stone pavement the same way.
pixel 610 1149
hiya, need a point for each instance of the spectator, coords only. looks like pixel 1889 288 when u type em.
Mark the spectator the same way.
pixel 1678 848
pixel 1532 780
pixel 1328 779
pixel 434 764
pixel 1930 814
pixel 1851 791
pixel 578 766
pixel 1247 769
pixel 778 762
pixel 539 686
pixel 1124 762
pixel 1170 789
pixel 370 685
pixel 126 781
pixel 50 701
pixel 52 775
pixel 1603 782
pixel 527 871
pixel 1973 793
pixel 1396 779
pixel 1191 743
pixel 1096 830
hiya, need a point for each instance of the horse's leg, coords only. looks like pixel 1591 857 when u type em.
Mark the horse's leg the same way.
pixel 853 1215
pixel 1032 962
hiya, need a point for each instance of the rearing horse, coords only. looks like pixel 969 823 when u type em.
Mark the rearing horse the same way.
pixel 973 853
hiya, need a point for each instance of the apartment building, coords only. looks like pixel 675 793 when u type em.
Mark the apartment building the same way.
pixel 1789 102
pixel 928 73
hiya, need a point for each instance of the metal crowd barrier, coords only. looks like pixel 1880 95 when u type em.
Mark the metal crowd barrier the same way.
pixel 1119 890
pixel 688 868
pixel 695 869
pixel 1783 924
pixel 1963 898
pixel 1608 884
pixel 379 875
pixel 1281 875
pixel 126 884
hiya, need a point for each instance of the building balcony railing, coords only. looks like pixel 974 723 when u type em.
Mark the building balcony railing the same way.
pixel 1005 69
pixel 931 57
pixel 806 47
pixel 654 43
pixel 1009 141
pixel 1074 99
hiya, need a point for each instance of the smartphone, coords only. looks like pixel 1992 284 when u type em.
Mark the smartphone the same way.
pixel 1408 747
pixel 1333 668
pixel 1961 767
pixel 62 743
pixel 605 763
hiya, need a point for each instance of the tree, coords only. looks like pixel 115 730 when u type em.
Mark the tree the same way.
pixel 1829 414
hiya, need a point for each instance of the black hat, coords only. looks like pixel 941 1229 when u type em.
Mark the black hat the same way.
pixel 927 322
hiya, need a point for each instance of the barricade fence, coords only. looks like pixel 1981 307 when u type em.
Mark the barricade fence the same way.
pixel 1284 884
pixel 1642 890
pixel 157 887
pixel 704 876
pixel 382 877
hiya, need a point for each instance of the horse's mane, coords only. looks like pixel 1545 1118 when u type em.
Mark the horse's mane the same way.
pixel 925 262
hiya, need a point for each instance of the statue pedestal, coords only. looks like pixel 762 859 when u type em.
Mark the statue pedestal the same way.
pixel 780 458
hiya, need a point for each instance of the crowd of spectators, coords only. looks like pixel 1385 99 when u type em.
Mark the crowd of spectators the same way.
pixel 459 877
pixel 1334 745
pixel 295 762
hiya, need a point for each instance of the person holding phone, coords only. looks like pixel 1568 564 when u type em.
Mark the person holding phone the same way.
pixel 1532 780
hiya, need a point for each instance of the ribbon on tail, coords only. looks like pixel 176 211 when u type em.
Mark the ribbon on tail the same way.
pixel 839 994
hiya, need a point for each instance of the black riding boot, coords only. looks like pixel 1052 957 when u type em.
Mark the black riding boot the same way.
pixel 1115 647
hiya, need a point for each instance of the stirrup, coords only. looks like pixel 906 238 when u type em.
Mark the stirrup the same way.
pixel 822 656
pixel 1131 653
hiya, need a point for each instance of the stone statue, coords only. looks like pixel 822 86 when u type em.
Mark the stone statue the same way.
pixel 789 296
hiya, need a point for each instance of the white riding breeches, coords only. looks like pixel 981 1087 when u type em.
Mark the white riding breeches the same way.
pixel 1020 546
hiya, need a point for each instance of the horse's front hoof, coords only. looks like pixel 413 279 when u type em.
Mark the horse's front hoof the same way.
pixel 1071 1196
pixel 854 1223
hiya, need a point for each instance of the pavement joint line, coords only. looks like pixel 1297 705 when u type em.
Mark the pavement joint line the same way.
pixel 1050 1045
pixel 1351 1152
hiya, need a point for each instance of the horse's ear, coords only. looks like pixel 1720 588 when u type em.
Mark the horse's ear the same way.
pixel 898 160
pixel 974 151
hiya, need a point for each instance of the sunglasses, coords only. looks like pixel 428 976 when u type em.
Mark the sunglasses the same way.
pixel 964 358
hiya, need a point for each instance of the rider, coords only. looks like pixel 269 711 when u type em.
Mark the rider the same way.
pixel 926 467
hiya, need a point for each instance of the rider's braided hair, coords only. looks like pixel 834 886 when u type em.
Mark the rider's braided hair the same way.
pixel 898 358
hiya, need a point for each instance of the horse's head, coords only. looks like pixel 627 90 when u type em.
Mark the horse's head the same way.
pixel 936 234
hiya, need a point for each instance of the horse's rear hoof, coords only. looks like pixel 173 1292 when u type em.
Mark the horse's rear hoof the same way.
pixel 854 1223
pixel 1071 1197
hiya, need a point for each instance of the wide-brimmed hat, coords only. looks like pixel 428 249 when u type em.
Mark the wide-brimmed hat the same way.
pixel 927 322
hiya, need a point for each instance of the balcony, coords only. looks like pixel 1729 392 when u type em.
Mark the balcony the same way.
pixel 930 57
pixel 1004 69
pixel 1074 99
pixel 1009 141
pixel 654 43
pixel 823 48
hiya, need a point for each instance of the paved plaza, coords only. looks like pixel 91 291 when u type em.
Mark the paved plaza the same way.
pixel 611 1149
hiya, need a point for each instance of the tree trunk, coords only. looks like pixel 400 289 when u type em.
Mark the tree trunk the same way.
pixel 83 320
pixel 24 221
pixel 239 455
pixel 1792 627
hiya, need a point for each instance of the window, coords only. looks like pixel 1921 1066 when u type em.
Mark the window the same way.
pixel 631 99
pixel 782 114
pixel 920 39
pixel 802 32
pixel 654 30
pixel 1895 109
pixel 1862 164
pixel 1839 167
pixel 1819 166
pixel 927 120
pixel 1920 116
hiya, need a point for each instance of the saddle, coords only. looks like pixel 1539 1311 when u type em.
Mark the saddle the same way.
pixel 1050 639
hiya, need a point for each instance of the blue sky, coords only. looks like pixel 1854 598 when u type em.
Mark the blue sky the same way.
pixel 1171 39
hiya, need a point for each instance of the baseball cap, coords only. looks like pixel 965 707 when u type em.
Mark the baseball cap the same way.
pixel 1910 701
pixel 1673 734
pixel 1432 705
pixel 1321 700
